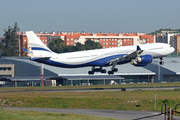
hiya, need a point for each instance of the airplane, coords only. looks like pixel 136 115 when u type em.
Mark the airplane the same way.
pixel 137 55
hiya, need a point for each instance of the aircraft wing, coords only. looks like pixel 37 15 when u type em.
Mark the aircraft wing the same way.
pixel 127 57
pixel 134 54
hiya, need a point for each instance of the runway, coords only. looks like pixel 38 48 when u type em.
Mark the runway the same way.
pixel 120 114
pixel 98 89
pixel 104 113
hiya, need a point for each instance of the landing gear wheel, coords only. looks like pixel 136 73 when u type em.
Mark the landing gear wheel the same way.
pixel 103 71
pixel 110 72
pixel 115 69
pixel 161 62
pixel 91 72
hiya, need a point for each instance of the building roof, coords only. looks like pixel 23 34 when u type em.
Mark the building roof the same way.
pixel 27 78
pixel 90 77
pixel 24 68
pixel 125 69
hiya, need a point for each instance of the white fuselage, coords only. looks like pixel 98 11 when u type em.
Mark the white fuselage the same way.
pixel 138 55
pixel 100 56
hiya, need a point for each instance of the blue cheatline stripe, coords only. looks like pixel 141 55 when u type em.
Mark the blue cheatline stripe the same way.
pixel 38 48
pixel 98 62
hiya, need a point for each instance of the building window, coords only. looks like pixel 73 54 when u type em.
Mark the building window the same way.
pixel 112 39
pixel 71 39
pixel 67 39
pixel 124 39
pixel 5 68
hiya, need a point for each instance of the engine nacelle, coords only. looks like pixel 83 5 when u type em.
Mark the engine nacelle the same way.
pixel 142 60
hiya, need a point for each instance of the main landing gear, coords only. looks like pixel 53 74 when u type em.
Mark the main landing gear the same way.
pixel 112 71
pixel 102 70
pixel 96 70
pixel 161 62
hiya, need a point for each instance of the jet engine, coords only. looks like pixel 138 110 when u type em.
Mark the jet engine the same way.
pixel 142 60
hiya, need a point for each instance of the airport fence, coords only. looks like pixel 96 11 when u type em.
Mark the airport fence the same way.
pixel 167 112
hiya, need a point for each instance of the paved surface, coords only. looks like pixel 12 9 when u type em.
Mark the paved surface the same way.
pixel 130 115
pixel 98 89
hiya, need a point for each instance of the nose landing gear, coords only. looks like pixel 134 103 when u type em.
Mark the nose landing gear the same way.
pixel 161 62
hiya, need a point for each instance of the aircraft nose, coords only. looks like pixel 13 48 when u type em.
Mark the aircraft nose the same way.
pixel 172 49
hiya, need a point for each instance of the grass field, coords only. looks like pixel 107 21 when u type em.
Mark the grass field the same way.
pixel 142 100
pixel 33 115
pixel 112 100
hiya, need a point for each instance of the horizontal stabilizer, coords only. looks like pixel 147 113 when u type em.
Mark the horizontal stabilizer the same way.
pixel 41 59
pixel 26 51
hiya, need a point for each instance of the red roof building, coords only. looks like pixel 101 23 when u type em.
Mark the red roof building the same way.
pixel 107 40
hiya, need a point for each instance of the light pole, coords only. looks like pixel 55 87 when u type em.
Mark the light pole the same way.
pixel 42 74
pixel 159 70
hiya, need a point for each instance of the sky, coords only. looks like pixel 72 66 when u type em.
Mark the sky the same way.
pixel 90 15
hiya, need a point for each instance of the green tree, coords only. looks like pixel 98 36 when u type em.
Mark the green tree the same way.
pixel 79 47
pixel 167 29
pixel 24 54
pixel 57 45
pixel 10 45
pixel 89 45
